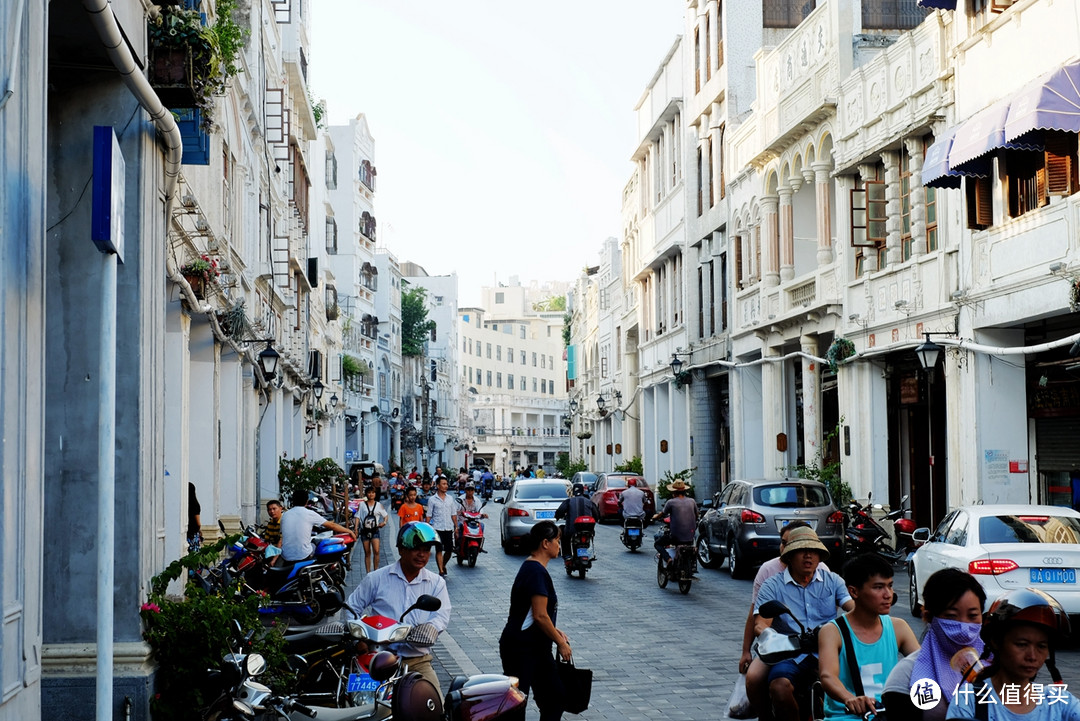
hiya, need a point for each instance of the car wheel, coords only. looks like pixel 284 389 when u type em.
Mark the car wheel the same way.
pixel 736 565
pixel 704 553
pixel 913 592
pixel 661 576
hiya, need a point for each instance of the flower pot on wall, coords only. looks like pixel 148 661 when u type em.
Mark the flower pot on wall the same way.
pixel 198 285
pixel 171 74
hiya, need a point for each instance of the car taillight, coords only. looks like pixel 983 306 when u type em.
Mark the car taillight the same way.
pixel 837 517
pixel 991 566
pixel 516 512
pixel 749 516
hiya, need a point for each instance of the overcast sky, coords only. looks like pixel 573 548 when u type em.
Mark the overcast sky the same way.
pixel 503 129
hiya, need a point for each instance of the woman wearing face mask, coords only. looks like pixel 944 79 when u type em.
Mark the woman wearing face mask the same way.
pixel 1022 629
pixel 952 607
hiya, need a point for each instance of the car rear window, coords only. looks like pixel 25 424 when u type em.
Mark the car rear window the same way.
pixel 540 491
pixel 621 481
pixel 1029 529
pixel 791 495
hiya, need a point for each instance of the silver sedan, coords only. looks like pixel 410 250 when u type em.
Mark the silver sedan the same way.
pixel 527 502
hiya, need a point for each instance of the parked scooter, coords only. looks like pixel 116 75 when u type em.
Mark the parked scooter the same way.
pixel 470 537
pixel 581 555
pixel 387 688
pixel 865 533
pixel 674 562
pixel 632 532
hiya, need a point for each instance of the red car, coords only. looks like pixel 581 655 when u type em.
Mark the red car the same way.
pixel 606 490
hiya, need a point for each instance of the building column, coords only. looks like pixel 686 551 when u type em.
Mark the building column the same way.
pixel 916 196
pixel 811 392
pixel 787 233
pixel 770 250
pixel 718 149
pixel 824 213
pixel 894 251
pixel 773 413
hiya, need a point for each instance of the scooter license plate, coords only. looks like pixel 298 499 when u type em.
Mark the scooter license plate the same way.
pixel 633 531
pixel 583 553
pixel 361 682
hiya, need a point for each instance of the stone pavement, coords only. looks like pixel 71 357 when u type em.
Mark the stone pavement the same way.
pixel 654 652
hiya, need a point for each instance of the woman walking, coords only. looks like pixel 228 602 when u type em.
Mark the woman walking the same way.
pixel 525 644
pixel 372 517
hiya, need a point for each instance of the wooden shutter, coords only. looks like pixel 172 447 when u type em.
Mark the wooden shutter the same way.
pixel 868 214
pixel 980 203
pixel 1061 168
pixel 738 262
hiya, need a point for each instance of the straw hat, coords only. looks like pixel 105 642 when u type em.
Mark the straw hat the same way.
pixel 802 538
pixel 679 485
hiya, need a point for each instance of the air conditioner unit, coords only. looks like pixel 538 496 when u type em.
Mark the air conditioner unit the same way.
pixel 188 201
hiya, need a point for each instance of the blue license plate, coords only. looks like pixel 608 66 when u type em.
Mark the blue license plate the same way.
pixel 361 682
pixel 545 514
pixel 1053 575
pixel 583 552
pixel 634 531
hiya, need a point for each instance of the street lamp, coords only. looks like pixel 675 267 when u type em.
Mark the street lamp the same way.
pixel 268 360
pixel 600 403
pixel 573 406
pixel 928 354
pixel 317 388
pixel 333 401
pixel 681 377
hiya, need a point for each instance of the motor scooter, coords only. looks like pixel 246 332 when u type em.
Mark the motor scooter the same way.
pixel 866 534
pixel 632 532
pixel 774 646
pixel 470 537
pixel 387 688
pixel 581 555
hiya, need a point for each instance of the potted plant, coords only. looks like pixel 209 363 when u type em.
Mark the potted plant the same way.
pixel 200 274
pixel 1074 296
pixel 840 350
pixel 189 61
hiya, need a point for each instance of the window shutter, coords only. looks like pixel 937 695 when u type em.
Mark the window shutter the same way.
pixel 875 211
pixel 859 219
pixel 980 203
pixel 1060 163
pixel 1041 198
pixel 738 262
pixel 723 181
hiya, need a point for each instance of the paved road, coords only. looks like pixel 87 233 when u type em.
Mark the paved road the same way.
pixel 654 652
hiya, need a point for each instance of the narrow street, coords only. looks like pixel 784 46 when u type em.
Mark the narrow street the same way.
pixel 683 664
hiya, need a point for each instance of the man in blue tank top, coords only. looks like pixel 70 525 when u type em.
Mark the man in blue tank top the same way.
pixel 857 651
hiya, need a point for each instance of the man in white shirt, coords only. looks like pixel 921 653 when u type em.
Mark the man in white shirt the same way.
pixel 442 515
pixel 296 526
pixel 390 590
pixel 632 500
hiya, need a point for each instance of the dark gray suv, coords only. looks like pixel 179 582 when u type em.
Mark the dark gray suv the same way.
pixel 746 518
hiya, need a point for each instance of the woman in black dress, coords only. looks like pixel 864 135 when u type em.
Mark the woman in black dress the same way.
pixel 525 644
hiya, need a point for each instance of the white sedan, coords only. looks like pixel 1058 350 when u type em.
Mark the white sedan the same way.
pixel 1004 547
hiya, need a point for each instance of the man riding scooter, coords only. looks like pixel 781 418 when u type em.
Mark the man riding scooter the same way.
pixel 813 594
pixel 632 505
pixel 573 507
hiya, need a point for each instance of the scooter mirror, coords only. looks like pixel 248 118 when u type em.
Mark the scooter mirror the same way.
pixel 255 663
pixel 426 602
pixel 772 609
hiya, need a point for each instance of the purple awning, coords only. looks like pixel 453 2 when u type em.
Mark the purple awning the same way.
pixel 1050 103
pixel 937 4
pixel 975 137
pixel 936 172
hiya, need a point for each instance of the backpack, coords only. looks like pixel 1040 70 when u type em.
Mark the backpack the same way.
pixel 370 522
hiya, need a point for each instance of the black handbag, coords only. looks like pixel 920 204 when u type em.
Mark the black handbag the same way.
pixel 577 686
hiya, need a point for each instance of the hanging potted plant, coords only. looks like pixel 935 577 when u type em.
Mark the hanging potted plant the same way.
pixel 1074 295
pixel 190 61
pixel 200 274
pixel 840 350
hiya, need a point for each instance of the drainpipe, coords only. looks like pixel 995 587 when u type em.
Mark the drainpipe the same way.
pixel 17 24
pixel 104 22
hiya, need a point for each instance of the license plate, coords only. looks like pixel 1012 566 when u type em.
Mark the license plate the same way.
pixel 1053 575
pixel 545 514
pixel 634 531
pixel 781 522
pixel 583 552
pixel 361 682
